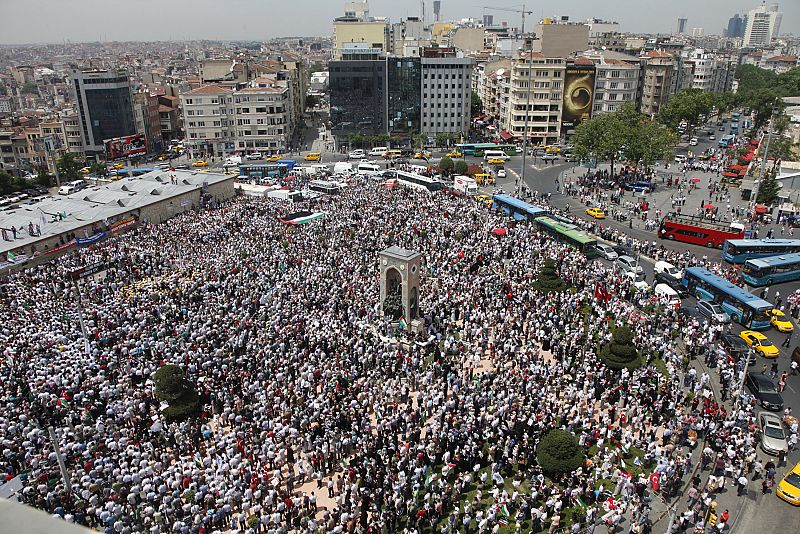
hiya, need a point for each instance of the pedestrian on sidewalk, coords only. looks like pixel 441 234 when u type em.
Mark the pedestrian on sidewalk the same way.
pixel 741 483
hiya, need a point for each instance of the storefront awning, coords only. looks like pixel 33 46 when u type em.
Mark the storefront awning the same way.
pixel 505 135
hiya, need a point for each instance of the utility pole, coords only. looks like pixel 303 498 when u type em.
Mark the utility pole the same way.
pixel 766 152
pixel 62 466
pixel 521 181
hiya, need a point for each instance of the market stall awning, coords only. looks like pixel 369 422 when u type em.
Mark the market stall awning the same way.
pixel 730 174
pixel 500 231
pixel 505 135
pixel 709 206
pixel 761 208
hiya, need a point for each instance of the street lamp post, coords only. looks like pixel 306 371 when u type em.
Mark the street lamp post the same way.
pixel 527 117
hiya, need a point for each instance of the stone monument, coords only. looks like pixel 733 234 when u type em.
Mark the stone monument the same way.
pixel 400 278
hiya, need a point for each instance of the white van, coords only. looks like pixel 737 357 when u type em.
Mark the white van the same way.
pixel 368 169
pixel 667 268
pixel 664 292
pixel 71 187
pixel 342 167
pixel 495 154
pixel 466 185
pixel 379 151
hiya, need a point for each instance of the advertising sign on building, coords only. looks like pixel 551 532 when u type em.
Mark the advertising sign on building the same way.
pixel 578 95
pixel 122 147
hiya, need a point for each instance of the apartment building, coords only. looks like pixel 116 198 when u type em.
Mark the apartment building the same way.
pixel 263 115
pixel 446 93
pixel 148 122
pixel 209 120
pixel 8 161
pixel 536 86
pixel 104 106
pixel 70 123
pixel 616 80
pixel 656 80
pixel 491 78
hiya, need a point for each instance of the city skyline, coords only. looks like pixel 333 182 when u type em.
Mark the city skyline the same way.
pixel 49 21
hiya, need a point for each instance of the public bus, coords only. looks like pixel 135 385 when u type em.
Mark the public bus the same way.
pixel 477 149
pixel 264 170
pixel 324 186
pixel 697 230
pixel 735 116
pixel 738 251
pixel 726 140
pixel 419 182
pixel 570 234
pixel 742 306
pixel 519 209
pixel 772 270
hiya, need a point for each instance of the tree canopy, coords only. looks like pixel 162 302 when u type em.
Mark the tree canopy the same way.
pixel 173 388
pixel 559 452
pixel 68 167
pixel 687 105
pixel 623 134
pixel 620 352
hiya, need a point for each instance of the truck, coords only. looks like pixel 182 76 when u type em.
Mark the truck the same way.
pixel 286 194
pixel 342 167
pixel 466 185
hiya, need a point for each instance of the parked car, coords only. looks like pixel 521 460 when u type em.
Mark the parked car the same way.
pixel 357 154
pixel 680 158
pixel 253 156
pixel 663 278
pixel 693 141
pixel 771 434
pixel 779 320
pixel 764 390
pixel 664 267
pixel 607 252
pixel 628 265
pixel 712 311
pixel 501 173
pixel 760 343
pixel 788 489
pixel 686 314
pixel 736 348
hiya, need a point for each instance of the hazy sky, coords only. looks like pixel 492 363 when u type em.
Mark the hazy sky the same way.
pixel 31 21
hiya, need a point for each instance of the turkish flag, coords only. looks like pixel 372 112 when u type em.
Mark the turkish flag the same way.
pixel 655 481
pixel 601 293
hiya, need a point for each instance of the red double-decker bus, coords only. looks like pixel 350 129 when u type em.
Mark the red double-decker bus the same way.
pixel 698 230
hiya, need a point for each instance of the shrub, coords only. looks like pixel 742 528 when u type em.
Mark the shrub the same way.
pixel 460 167
pixel 559 452
pixel 173 388
pixel 446 165
pixel 620 352
pixel 548 279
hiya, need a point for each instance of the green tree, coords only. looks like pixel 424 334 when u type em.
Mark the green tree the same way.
pixel 443 139
pixel 446 165
pixel 460 166
pixel 600 138
pixel 29 88
pixel 68 167
pixel 780 148
pixel 752 78
pixel 650 143
pixel 559 452
pixel 43 176
pixel 620 352
pixel 476 105
pixel 687 105
pixel 312 101
pixel 6 181
pixel 548 278
pixel 173 388
pixel 98 169
pixel 769 189
pixel 420 141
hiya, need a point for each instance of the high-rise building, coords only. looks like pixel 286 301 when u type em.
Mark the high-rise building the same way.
pixel 105 107
pixel 403 100
pixel 437 10
pixel 357 90
pixel 682 26
pixel 736 26
pixel 763 25
pixel 697 32
pixel 656 81
pixel 446 92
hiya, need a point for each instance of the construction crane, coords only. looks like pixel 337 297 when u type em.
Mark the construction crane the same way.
pixel 512 10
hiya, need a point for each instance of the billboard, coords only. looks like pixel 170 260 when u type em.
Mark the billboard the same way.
pixel 122 147
pixel 578 95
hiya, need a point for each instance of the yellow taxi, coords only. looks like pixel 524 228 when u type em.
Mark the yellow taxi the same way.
pixel 455 154
pixel 486 199
pixel 85 170
pixel 200 163
pixel 422 155
pixel 484 179
pixel 118 166
pixel 274 158
pixel 788 489
pixel 597 213
pixel 779 320
pixel 553 149
pixel 313 156
pixel 496 161
pixel 760 343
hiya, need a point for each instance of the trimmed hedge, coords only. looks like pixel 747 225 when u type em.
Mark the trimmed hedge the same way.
pixel 173 388
pixel 548 279
pixel 620 353
pixel 559 452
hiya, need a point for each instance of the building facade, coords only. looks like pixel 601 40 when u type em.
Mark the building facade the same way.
pixel 358 97
pixel 148 122
pixel 105 107
pixel 656 81
pixel 209 120
pixel 763 25
pixel 263 114
pixel 541 98
pixel 404 97
pixel 446 94
pixel 71 123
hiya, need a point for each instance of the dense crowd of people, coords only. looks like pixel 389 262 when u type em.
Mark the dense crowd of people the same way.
pixel 313 419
